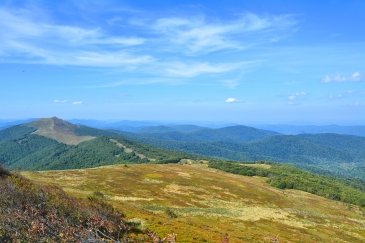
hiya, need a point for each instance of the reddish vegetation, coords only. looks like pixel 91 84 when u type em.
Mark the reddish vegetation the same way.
pixel 30 213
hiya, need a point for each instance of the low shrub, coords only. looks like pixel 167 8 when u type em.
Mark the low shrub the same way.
pixel 3 172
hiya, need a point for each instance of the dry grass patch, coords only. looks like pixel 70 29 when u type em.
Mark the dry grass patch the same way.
pixel 133 199
pixel 60 136
pixel 262 166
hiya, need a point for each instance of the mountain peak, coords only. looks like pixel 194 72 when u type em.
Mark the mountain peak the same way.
pixel 59 130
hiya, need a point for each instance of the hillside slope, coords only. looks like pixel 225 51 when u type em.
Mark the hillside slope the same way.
pixel 56 144
pixel 202 204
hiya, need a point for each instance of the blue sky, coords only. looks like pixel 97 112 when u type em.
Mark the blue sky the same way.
pixel 221 61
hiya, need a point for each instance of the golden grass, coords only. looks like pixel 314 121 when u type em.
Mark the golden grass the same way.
pixel 262 166
pixel 209 203
pixel 62 137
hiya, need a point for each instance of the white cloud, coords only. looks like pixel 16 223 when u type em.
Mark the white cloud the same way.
pixel 189 70
pixel 197 34
pixel 356 76
pixel 59 101
pixel 16 25
pixel 338 78
pixel 231 100
pixel 294 98
pixel 28 40
pixel 78 102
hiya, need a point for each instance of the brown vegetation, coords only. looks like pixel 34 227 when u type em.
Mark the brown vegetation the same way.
pixel 29 213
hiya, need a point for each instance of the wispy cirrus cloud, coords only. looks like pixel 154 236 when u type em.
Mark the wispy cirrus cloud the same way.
pixel 189 70
pixel 77 102
pixel 196 34
pixel 37 55
pixel 339 78
pixel 27 40
pixel 138 81
pixel 168 48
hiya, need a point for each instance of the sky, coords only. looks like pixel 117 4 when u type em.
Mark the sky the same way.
pixel 262 62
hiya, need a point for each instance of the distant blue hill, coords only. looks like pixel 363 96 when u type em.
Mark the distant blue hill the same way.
pixel 339 154
pixel 298 129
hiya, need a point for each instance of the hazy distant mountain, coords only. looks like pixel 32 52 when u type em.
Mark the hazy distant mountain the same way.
pixel 9 123
pixel 128 125
pixel 123 125
pixel 191 133
pixel 297 129
pixel 172 128
pixel 334 153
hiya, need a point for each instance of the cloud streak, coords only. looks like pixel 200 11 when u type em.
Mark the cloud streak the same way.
pixel 196 35
pixel 339 78
pixel 26 40
pixel 189 70
pixel 78 102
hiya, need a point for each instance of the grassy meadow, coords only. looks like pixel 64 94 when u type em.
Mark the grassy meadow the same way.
pixel 202 204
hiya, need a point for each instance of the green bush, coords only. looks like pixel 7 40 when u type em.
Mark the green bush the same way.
pixel 170 213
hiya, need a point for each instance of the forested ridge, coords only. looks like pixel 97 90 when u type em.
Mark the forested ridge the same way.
pixel 22 149
pixel 332 154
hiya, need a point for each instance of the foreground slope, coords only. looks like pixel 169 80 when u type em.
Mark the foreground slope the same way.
pixel 203 204
pixel 32 213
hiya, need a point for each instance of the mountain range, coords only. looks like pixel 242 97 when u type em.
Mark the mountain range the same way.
pixel 331 153
pixel 357 130
pixel 53 143
pixel 57 144
pixel 285 129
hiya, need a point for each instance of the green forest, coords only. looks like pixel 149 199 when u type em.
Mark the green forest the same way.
pixel 22 150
